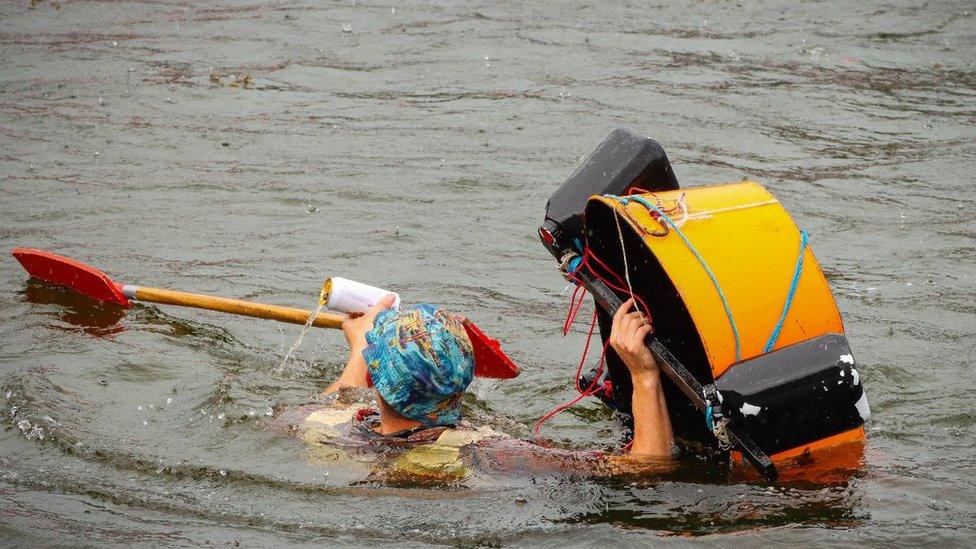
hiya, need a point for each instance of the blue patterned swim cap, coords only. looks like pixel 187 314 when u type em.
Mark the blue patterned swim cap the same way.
pixel 420 360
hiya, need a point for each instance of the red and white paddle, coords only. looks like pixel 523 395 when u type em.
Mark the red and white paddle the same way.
pixel 490 361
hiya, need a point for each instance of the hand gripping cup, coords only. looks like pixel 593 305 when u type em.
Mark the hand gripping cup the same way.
pixel 348 296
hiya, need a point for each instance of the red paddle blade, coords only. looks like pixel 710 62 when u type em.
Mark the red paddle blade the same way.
pixel 489 360
pixel 65 271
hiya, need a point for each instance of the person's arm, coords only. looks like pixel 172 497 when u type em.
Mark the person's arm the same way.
pixel 652 425
pixel 355 328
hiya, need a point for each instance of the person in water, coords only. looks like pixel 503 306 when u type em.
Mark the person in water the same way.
pixel 419 362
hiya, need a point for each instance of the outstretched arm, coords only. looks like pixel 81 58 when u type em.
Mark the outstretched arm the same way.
pixel 652 425
pixel 355 328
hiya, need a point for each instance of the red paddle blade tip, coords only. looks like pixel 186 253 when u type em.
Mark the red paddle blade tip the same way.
pixel 489 360
pixel 64 271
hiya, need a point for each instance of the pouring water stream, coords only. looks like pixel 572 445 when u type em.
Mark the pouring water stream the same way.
pixel 301 336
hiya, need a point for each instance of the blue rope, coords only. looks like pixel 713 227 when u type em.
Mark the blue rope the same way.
pixel 701 260
pixel 578 244
pixel 710 419
pixel 797 271
pixel 574 264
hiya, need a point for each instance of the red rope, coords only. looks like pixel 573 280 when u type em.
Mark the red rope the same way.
pixel 592 389
pixel 574 308
pixel 586 351
pixel 642 306
pixel 676 207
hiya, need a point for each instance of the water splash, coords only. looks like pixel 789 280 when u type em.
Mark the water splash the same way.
pixel 301 336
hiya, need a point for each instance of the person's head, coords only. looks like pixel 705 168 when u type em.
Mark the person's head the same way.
pixel 420 361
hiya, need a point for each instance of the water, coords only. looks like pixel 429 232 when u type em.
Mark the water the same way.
pixel 301 336
pixel 245 149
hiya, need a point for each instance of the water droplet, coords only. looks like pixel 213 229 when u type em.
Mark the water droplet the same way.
pixel 346 27
pixel 115 42
pixel 169 400
pixel 139 408
pixel 311 209
pixel 144 423
pixel 223 473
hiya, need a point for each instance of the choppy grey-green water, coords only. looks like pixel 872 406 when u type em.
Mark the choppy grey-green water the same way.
pixel 251 149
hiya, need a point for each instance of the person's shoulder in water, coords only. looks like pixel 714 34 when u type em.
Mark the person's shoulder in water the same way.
pixel 344 428
pixel 418 363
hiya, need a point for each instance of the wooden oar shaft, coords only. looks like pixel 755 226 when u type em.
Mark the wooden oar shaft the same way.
pixel 236 306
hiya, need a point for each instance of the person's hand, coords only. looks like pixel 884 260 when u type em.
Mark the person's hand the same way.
pixel 355 326
pixel 627 338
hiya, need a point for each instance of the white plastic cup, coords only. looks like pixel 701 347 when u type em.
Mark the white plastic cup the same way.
pixel 348 296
